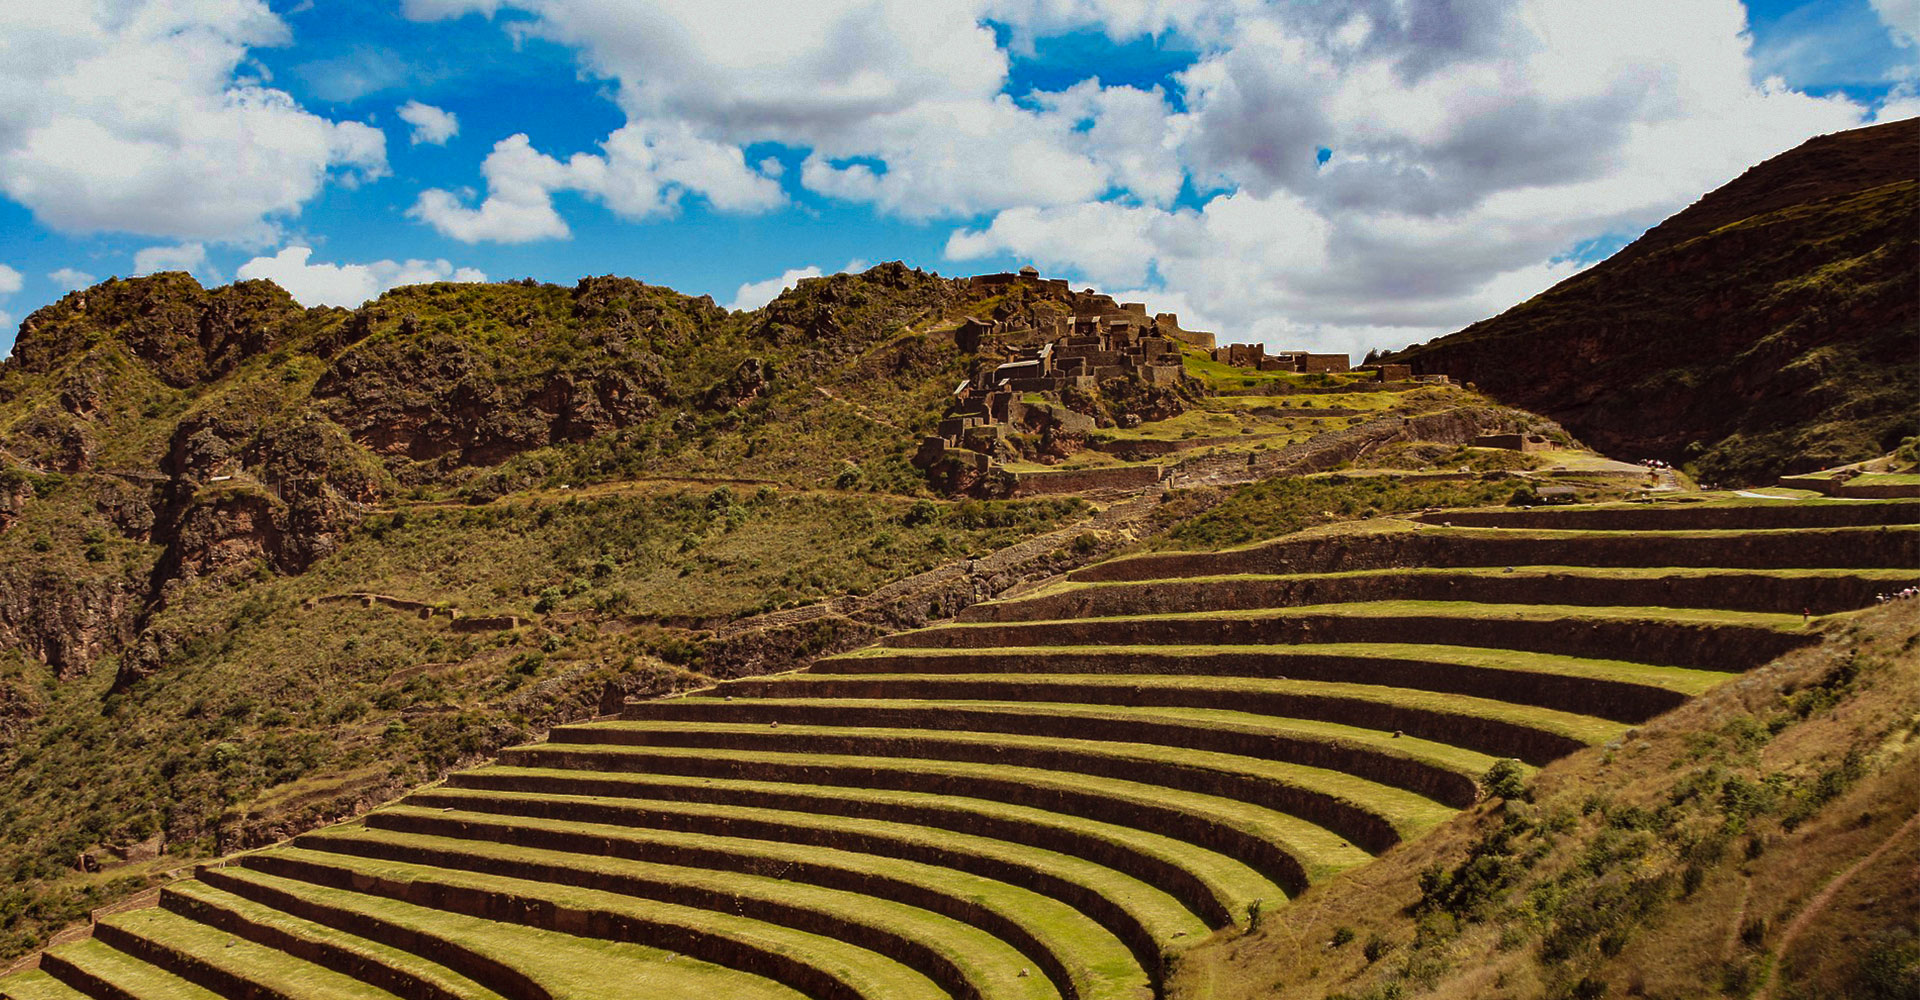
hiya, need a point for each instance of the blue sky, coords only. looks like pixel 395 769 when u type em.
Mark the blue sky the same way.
pixel 1337 176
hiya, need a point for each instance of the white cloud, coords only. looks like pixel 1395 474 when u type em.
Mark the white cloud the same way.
pixel 1902 18
pixel 347 284
pixel 70 278
pixel 185 257
pixel 643 173
pixel 898 103
pixel 9 280
pixel 129 117
pixel 1469 148
pixel 755 294
pixel 430 124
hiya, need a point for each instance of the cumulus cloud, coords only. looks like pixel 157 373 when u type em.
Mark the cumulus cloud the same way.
pixel 9 283
pixel 430 124
pixel 1466 149
pixel 642 172
pixel 71 278
pixel 185 257
pixel 898 104
pixel 1371 172
pixel 347 284
pixel 754 294
pixel 1902 18
pixel 134 117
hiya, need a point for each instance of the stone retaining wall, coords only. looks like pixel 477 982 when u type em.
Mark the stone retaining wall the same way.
pixel 1190 890
pixel 1823 548
pixel 1490 736
pixel 1732 591
pixel 1616 700
pixel 1706 646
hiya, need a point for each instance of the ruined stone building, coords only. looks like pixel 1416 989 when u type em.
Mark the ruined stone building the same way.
pixel 1255 356
pixel 1091 338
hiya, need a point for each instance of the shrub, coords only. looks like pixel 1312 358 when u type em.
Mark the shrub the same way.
pixel 1504 780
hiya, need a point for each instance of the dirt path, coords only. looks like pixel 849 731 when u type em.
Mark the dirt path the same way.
pixel 856 407
pixel 1822 899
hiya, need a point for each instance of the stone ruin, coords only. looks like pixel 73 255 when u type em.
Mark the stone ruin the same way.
pixel 1089 340
pixel 1255 356
pixel 1513 442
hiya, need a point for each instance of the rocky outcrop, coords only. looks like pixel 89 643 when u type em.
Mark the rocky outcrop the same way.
pixel 441 396
pixel 185 333
pixel 1770 328
pixel 64 622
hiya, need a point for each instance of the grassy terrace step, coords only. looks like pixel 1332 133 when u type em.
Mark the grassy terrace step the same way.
pixel 1444 773
pixel 37 985
pixel 1690 637
pixel 1213 886
pixel 1405 545
pixel 522 962
pixel 1744 514
pixel 1285 848
pixel 391 969
pixel 1150 922
pixel 1535 735
pixel 104 972
pixel 962 959
pixel 1609 689
pixel 1822 591
pixel 1082 959
pixel 225 963
pixel 1369 814
pixel 817 966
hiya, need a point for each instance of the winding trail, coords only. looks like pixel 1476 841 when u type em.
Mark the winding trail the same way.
pixel 1824 898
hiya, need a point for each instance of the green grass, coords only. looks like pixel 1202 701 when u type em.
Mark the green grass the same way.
pixel 1682 679
pixel 1154 911
pixel 1407 811
pixel 868 974
pixel 1253 727
pixel 1096 963
pixel 37 985
pixel 1286 504
pixel 268 968
pixel 1456 609
pixel 199 901
pixel 126 973
pixel 568 966
pixel 977 957
pixel 992 687
pixel 1228 886
pixel 1066 586
pixel 1318 850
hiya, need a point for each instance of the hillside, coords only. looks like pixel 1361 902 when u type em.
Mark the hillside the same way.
pixel 262 567
pixel 1496 751
pixel 1772 327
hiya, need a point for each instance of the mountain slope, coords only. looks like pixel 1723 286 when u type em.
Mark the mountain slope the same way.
pixel 1772 327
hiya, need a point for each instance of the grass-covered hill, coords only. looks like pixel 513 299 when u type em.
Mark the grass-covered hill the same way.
pixel 264 566
pixel 1770 328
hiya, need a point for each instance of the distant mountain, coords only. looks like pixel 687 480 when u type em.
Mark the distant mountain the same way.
pixel 1772 327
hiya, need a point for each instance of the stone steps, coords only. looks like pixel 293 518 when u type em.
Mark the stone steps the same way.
pixel 1217 889
pixel 1607 689
pixel 1082 958
pixel 1134 912
pixel 1729 641
pixel 1434 771
pixel 1781 592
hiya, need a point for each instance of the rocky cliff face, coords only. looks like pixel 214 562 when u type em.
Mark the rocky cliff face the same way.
pixel 1772 327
